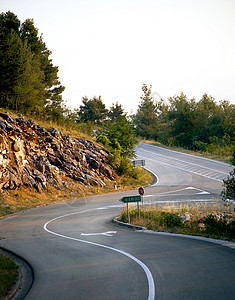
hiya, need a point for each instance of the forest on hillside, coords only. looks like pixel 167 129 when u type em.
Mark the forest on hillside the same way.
pixel 29 84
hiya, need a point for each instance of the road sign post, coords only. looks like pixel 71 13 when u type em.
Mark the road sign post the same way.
pixel 128 214
pixel 130 199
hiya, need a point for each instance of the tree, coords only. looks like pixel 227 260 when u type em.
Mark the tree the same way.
pixel 232 161
pixel 228 193
pixel 180 115
pixel 115 112
pixel 29 33
pixel 206 119
pixel 57 110
pixel 146 119
pixel 28 79
pixel 92 110
pixel 121 132
pixel 10 51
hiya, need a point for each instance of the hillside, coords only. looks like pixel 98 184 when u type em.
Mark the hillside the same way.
pixel 34 157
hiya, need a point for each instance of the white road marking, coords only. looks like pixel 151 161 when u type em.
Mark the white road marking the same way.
pixel 107 233
pixel 186 154
pixel 182 201
pixel 186 166
pixel 151 285
pixel 201 192
pixel 154 174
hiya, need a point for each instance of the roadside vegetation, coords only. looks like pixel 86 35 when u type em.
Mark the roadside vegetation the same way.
pixel 8 274
pixel 208 220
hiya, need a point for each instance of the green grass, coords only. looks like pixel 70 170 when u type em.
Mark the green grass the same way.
pixel 8 274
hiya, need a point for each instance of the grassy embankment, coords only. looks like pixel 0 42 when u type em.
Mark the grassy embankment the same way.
pixel 202 219
pixel 8 274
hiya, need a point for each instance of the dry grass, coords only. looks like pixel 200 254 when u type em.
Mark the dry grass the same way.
pixel 205 219
pixel 12 201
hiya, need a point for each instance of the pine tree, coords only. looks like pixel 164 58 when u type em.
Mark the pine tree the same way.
pixel 146 118
pixel 92 110
pixel 28 80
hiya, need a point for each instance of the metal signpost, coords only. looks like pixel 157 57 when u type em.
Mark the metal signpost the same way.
pixel 130 199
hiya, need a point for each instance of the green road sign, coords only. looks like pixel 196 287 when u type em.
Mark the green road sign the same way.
pixel 131 199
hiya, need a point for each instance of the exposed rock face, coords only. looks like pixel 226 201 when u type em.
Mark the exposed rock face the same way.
pixel 32 156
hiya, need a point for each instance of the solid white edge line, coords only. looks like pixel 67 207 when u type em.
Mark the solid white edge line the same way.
pixel 151 285
pixel 154 174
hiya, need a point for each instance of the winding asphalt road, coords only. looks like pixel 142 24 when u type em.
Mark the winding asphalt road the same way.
pixel 78 253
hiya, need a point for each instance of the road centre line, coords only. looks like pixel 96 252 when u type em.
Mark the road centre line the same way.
pixel 151 285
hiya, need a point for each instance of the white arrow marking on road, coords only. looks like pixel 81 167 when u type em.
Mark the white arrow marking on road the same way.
pixel 107 233
pixel 203 193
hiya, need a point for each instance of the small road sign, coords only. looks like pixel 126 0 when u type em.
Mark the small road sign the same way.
pixel 141 191
pixel 138 163
pixel 130 199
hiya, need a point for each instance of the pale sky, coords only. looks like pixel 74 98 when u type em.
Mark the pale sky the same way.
pixel 111 48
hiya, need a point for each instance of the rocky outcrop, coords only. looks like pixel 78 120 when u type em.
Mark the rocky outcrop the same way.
pixel 32 156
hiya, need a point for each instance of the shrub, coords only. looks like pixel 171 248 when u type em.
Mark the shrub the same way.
pixel 170 220
pixel 125 166
pixel 219 227
pixel 102 139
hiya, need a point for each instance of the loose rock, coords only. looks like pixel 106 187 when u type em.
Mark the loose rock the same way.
pixel 32 156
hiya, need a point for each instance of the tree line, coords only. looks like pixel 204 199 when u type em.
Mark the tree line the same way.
pixel 205 125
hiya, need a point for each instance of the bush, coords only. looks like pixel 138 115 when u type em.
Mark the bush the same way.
pixel 102 139
pixel 219 227
pixel 125 166
pixel 8 274
pixel 168 219
pixel 229 187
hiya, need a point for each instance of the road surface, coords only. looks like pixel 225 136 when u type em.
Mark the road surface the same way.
pixel 78 253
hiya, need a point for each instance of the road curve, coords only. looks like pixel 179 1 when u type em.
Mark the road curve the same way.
pixel 77 253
